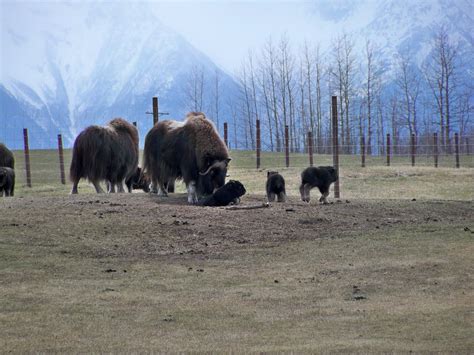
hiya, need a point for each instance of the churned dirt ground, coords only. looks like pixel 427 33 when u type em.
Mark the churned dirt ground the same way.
pixel 134 272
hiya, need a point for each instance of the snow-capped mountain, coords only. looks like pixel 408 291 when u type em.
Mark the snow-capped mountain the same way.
pixel 85 67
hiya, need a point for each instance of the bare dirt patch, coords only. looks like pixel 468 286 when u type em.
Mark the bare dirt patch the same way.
pixel 137 272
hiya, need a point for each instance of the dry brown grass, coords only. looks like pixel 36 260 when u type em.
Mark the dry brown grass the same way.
pixel 202 279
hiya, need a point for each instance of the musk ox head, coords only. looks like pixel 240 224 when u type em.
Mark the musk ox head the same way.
pixel 213 177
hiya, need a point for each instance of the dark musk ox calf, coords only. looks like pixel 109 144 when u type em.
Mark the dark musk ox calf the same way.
pixel 107 153
pixel 321 177
pixel 6 157
pixel 229 193
pixel 191 150
pixel 275 187
pixel 138 181
pixel 7 181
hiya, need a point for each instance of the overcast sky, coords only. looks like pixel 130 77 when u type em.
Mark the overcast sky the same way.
pixel 227 30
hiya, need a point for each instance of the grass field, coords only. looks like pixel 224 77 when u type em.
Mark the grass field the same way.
pixel 376 180
pixel 386 269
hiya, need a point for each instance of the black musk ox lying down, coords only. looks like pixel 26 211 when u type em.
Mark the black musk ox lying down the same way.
pixel 321 177
pixel 229 193
pixel 107 153
pixel 191 150
pixel 275 186
pixel 6 157
pixel 7 181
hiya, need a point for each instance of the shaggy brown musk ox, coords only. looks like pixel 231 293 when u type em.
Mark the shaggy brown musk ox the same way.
pixel 107 153
pixel 6 157
pixel 191 150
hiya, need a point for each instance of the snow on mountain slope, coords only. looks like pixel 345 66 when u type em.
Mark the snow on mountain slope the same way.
pixel 74 65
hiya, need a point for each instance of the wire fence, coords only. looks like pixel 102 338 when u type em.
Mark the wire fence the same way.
pixel 46 168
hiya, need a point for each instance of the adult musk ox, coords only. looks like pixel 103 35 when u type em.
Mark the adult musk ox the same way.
pixel 107 153
pixel 321 177
pixel 6 157
pixel 191 150
pixel 7 181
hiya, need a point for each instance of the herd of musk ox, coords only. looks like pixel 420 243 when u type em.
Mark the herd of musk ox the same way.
pixel 191 151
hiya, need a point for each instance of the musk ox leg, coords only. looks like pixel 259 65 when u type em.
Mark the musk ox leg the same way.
pixel 154 186
pixel 305 192
pixel 98 188
pixel 74 187
pixel 281 197
pixel 192 193
pixel 271 197
pixel 323 197
pixel 120 188
pixel 162 190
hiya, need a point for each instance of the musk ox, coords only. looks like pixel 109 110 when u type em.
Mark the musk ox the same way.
pixel 6 157
pixel 191 150
pixel 321 177
pixel 229 193
pixel 107 153
pixel 7 181
pixel 275 186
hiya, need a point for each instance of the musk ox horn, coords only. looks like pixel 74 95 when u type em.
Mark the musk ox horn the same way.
pixel 217 164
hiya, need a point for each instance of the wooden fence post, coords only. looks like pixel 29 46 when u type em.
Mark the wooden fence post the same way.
pixel 468 151
pixel 27 157
pixel 258 141
pixel 388 149
pixel 435 148
pixel 335 145
pixel 413 149
pixel 362 150
pixel 225 135
pixel 61 159
pixel 310 147
pixel 155 110
pixel 287 147
pixel 456 148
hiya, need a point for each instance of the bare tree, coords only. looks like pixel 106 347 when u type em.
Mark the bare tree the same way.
pixel 194 89
pixel 408 82
pixel 372 86
pixel 343 74
pixel 440 73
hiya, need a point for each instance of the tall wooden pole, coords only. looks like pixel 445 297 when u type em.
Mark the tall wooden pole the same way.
pixel 310 147
pixel 435 147
pixel 155 110
pixel 362 151
pixel 335 145
pixel 388 149
pixel 456 148
pixel 61 159
pixel 225 135
pixel 287 147
pixel 258 141
pixel 413 149
pixel 27 157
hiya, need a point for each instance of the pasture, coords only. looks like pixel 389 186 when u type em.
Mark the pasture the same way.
pixel 387 268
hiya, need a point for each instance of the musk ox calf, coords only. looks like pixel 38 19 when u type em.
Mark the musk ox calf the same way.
pixel 138 181
pixel 321 177
pixel 275 187
pixel 107 153
pixel 229 193
pixel 7 181
pixel 191 150
pixel 6 157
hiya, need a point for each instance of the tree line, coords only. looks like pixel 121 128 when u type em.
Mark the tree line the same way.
pixel 282 85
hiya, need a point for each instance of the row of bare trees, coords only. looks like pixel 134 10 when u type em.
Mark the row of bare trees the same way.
pixel 281 85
